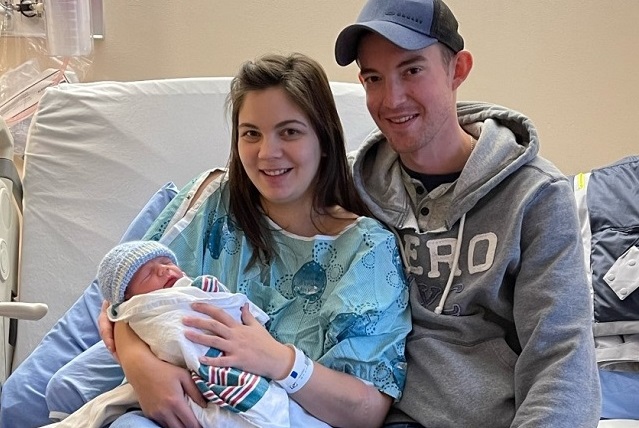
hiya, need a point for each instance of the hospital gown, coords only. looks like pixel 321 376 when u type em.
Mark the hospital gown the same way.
pixel 342 300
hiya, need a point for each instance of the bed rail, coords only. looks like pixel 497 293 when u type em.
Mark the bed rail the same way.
pixel 10 221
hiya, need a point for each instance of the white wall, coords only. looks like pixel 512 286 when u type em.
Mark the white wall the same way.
pixel 570 65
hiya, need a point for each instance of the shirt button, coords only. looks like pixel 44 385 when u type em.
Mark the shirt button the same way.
pixel 419 190
pixel 424 211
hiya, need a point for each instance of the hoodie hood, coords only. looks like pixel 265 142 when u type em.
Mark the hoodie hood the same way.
pixel 506 140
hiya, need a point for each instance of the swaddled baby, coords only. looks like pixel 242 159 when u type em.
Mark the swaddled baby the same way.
pixel 148 290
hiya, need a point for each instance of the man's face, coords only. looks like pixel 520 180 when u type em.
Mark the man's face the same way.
pixel 409 94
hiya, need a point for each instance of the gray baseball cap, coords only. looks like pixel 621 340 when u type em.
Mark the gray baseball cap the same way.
pixel 409 24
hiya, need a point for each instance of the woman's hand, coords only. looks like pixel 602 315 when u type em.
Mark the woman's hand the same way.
pixel 251 348
pixel 161 391
pixel 161 387
pixel 246 346
pixel 105 327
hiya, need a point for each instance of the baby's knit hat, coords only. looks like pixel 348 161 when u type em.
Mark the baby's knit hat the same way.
pixel 120 264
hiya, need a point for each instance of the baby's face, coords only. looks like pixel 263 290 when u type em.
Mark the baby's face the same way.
pixel 155 274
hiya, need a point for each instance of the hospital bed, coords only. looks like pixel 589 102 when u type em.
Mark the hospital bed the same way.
pixel 95 154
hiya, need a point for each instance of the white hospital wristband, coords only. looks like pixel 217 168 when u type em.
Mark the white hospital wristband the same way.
pixel 300 373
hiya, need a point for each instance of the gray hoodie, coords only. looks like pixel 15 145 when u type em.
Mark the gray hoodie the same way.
pixel 513 344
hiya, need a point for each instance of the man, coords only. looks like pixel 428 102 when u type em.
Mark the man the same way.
pixel 502 330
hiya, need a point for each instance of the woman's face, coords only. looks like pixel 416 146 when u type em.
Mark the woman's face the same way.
pixel 278 148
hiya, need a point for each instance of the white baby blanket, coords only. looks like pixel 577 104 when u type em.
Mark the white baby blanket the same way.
pixel 157 319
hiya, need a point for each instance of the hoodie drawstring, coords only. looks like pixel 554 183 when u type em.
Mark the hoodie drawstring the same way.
pixel 451 276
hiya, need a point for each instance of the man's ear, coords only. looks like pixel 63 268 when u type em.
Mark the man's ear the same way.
pixel 463 63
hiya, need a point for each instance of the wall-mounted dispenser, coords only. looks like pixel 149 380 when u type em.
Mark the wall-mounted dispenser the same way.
pixel 68 25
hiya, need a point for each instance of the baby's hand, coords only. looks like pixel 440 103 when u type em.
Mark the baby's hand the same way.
pixel 105 326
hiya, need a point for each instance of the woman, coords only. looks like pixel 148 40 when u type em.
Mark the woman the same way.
pixel 284 226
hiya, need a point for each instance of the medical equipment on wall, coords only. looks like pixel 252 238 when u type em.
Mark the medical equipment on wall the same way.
pixel 42 43
pixel 68 23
